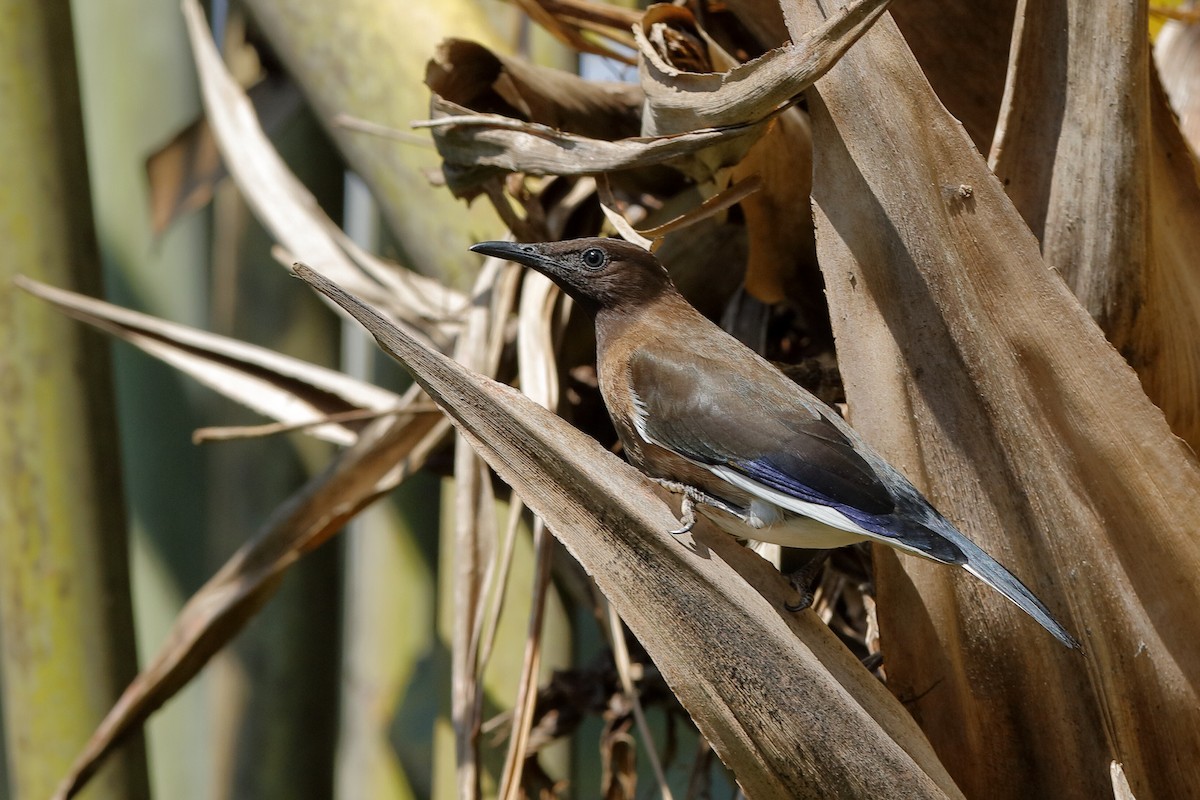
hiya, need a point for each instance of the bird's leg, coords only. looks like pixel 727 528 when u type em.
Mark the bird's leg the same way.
pixel 693 497
pixel 802 580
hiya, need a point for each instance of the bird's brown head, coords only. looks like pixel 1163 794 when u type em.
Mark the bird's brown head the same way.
pixel 598 273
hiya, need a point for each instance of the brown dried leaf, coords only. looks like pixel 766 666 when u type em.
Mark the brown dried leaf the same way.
pixel 972 367
pixel 540 12
pixel 183 173
pixel 275 385
pixel 476 146
pixel 1164 338
pixel 527 689
pixel 465 75
pixel 1070 148
pixel 474 534
pixel 782 262
pixel 1091 158
pixel 538 373
pixel 470 75
pixel 609 20
pixel 624 665
pixel 962 46
pixel 786 706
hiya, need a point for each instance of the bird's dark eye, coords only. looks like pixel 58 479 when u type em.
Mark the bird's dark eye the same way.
pixel 593 258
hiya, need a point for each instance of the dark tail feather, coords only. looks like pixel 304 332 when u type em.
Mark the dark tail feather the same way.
pixel 988 570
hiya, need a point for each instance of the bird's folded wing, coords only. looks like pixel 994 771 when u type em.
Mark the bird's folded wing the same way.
pixel 755 422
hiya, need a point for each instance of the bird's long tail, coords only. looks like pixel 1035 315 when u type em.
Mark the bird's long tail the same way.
pixel 991 572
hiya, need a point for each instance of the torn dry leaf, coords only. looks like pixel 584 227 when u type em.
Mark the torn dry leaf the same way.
pixel 470 75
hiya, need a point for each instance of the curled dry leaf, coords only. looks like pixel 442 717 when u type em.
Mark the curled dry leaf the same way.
pixel 782 258
pixel 971 366
pixel 962 46
pixel 495 113
pixel 471 75
pixel 469 141
pixel 283 388
pixel 678 101
pixel 467 75
pixel 785 705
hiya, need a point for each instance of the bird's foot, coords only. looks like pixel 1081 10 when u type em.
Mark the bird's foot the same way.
pixel 803 578
pixel 693 497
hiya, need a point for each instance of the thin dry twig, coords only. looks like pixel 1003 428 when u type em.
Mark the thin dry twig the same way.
pixel 229 433
pixel 375 129
pixel 514 762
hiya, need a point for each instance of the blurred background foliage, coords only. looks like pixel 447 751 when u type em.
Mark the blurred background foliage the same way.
pixel 340 686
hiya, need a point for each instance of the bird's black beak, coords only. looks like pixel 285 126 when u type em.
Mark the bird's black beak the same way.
pixel 527 254
pixel 533 256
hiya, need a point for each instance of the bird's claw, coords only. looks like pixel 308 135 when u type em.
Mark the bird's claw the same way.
pixel 687 516
pixel 802 581
pixel 692 497
pixel 806 600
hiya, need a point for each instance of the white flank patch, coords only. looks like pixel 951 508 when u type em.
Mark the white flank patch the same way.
pixel 823 514
pixel 640 412
pixel 819 526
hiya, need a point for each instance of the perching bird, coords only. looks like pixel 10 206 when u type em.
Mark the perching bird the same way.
pixel 706 416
